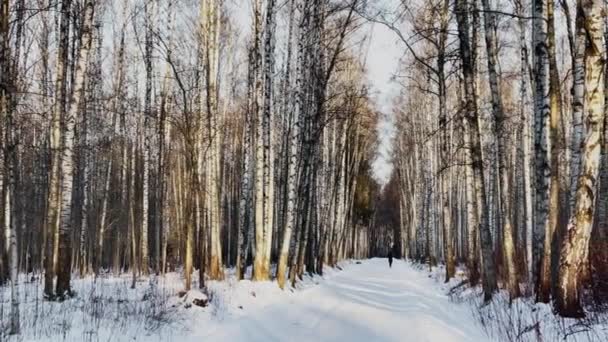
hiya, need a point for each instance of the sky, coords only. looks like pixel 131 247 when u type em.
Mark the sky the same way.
pixel 382 61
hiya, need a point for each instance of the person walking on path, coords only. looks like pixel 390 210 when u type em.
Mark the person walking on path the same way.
pixel 390 258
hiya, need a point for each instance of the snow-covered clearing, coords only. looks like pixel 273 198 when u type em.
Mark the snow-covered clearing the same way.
pixel 364 301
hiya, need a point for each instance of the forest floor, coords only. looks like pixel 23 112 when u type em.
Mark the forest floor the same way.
pixel 359 301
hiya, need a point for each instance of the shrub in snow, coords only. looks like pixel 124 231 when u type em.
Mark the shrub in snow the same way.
pixel 105 309
pixel 523 320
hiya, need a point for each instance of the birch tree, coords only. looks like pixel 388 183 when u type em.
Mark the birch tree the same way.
pixel 544 281
pixel 525 134
pixel 292 164
pixel 63 287
pixel 210 17
pixel 9 159
pixel 471 114
pixel 578 101
pixel 150 8
pixel 246 213
pixel 263 109
pixel 575 245
pixel 542 147
pixel 501 134
pixel 53 205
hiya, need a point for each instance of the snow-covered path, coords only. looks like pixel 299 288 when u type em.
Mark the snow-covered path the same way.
pixel 364 302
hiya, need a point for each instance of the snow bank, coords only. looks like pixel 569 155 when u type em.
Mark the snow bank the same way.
pixel 523 320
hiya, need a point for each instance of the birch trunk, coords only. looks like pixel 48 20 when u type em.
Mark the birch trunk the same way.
pixel 258 272
pixel 189 223
pixel 268 140
pixel 211 18
pixel 525 146
pixel 489 271
pixel 501 135
pixel 53 203
pixel 542 141
pixel 578 103
pixel 84 217
pixel 164 165
pixel 575 244
pixel 9 154
pixel 292 163
pixel 471 205
pixel 262 107
pixel 9 217
pixel 246 201
pixel 9 221
pixel 120 130
pixel 4 113
pixel 164 152
pixel 546 270
pixel 67 163
pixel 103 216
pixel 445 145
pixel 132 225
pixel 148 117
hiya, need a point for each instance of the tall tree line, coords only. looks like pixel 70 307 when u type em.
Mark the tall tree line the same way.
pixel 520 179
pixel 126 150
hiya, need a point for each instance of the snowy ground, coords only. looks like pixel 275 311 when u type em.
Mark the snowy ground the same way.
pixel 365 301
pixel 523 320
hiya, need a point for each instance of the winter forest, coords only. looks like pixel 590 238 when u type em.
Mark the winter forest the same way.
pixel 237 170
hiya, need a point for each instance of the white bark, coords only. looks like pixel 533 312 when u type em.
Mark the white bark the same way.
pixel 525 134
pixel 542 142
pixel 292 163
pixel 575 245
pixel 578 104
pixel 501 136
pixel 150 8
pixel 67 162
pixel 210 22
